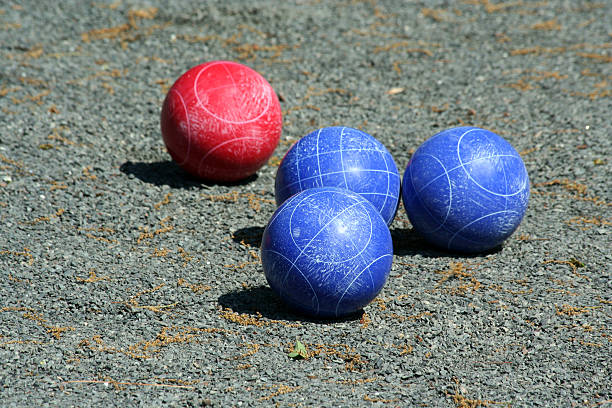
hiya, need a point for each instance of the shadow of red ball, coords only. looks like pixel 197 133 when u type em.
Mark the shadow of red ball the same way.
pixel 221 121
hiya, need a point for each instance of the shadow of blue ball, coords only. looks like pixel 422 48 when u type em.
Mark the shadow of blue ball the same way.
pixel 465 189
pixel 341 157
pixel 326 252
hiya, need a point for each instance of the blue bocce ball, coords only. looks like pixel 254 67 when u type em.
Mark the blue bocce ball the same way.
pixel 465 189
pixel 326 252
pixel 341 157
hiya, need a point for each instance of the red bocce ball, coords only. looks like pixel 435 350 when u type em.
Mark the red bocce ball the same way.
pixel 221 121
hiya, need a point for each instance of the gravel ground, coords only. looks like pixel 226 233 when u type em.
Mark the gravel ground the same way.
pixel 124 282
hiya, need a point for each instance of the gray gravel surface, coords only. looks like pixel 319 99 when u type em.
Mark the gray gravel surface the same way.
pixel 125 282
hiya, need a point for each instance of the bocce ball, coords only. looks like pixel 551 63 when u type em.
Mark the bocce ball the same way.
pixel 465 189
pixel 326 252
pixel 221 121
pixel 341 157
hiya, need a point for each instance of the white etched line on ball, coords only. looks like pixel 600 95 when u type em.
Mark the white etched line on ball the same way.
pixel 310 242
pixel 374 193
pixel 331 173
pixel 211 151
pixel 503 166
pixel 360 254
pixel 366 193
pixel 351 270
pixel 231 77
pixel 293 262
pixel 306 196
pixel 342 160
pixel 349 237
pixel 201 104
pixel 356 277
pixel 188 127
pixel 462 165
pixel 331 219
pixel 366 245
pixel 450 192
pixel 282 287
pixel 319 232
pixel 216 88
pixel 478 204
pixel 465 164
pixel 325 152
pixel 322 212
pixel 388 183
pixel 285 206
pixel 476 220
pixel 318 162
pixel 229 74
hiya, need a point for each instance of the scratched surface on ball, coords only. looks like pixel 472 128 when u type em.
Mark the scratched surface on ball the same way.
pixel 341 157
pixel 221 120
pixel 466 189
pixel 326 252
